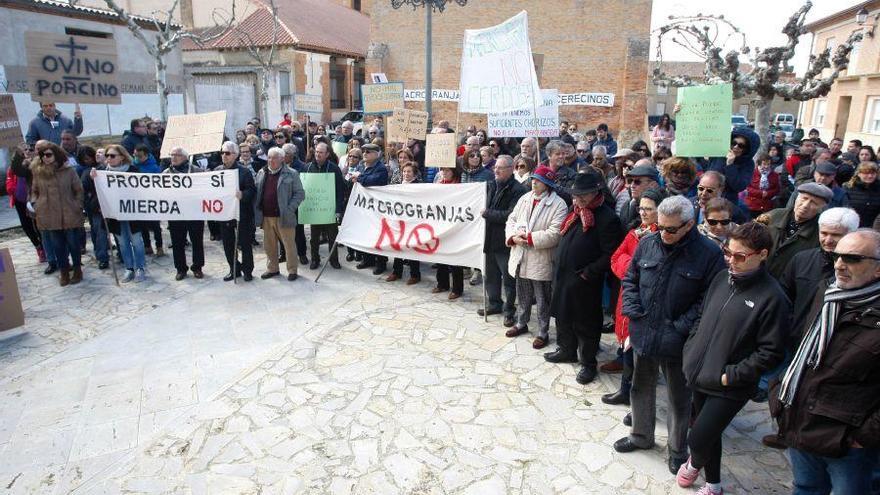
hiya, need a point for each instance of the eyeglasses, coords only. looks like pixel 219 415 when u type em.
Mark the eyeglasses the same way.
pixel 671 230
pixel 473 156
pixel 47 154
pixel 635 182
pixel 279 136
pixel 738 144
pixel 646 208
pixel 372 132
pixel 111 155
pixel 713 222
pixel 582 151
pixel 851 259
pixel 521 167
pixel 354 156
pixel 226 153
pixel 710 190
pixel 737 257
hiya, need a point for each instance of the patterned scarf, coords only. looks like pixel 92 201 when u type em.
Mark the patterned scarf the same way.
pixel 585 214
pixel 815 343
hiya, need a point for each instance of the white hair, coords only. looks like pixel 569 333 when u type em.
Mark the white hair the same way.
pixel 181 150
pixel 530 140
pixel 677 206
pixel 230 146
pixel 840 217
pixel 289 149
pixel 871 234
pixel 600 150
pixel 275 152
pixel 347 123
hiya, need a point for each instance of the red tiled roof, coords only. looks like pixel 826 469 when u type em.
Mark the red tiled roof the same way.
pixel 306 24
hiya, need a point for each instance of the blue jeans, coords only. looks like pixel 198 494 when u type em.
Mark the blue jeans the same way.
pixel 48 247
pixel 817 475
pixel 66 246
pixel 99 238
pixel 766 378
pixel 132 247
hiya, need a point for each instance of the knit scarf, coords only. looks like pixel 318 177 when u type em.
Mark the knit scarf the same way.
pixel 585 214
pixel 765 180
pixel 815 343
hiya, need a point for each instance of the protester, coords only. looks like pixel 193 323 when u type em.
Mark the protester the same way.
pixel 181 229
pixel 803 157
pixel 409 175
pixel 717 221
pixel 828 402
pixel 129 240
pixel 247 160
pixel 323 165
pixel 88 162
pixel 243 229
pixel 589 235
pixel 604 138
pixel 523 167
pixel 291 159
pixel 711 186
pixel 146 164
pixel 663 134
pixel 502 195
pixel 345 136
pixel 795 228
pixel 279 194
pixel 50 123
pixel 863 193
pixel 371 173
pixel 739 337
pixel 738 166
pixel 662 296
pixel 532 232
pixel 487 157
pixel 135 135
pixel 445 272
pixel 764 186
pixel 18 180
pixel 598 160
pixel 680 176
pixel 473 169
pixel 825 173
pixel 639 179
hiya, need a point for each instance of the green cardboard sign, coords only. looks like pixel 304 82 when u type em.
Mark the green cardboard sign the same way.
pixel 319 207
pixel 702 126
pixel 341 149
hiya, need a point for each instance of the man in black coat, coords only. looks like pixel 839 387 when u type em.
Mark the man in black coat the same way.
pixel 501 197
pixel 589 236
pixel 323 165
pixel 245 225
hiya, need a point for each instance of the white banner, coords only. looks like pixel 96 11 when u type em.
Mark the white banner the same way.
pixel 583 99
pixel 199 196
pixel 435 223
pixel 497 72
pixel 436 94
pixel 522 123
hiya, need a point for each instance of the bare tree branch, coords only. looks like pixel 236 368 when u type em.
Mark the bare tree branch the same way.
pixel 258 53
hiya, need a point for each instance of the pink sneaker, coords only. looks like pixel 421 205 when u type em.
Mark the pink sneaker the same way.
pixel 687 474
pixel 706 490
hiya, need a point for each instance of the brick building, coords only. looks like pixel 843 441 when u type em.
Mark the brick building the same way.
pixel 595 47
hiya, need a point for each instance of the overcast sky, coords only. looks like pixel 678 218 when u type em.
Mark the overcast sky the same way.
pixel 760 20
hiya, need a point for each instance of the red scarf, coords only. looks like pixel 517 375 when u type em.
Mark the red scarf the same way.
pixel 585 214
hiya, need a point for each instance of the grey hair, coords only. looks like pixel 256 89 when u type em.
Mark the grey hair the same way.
pixel 644 161
pixel 182 151
pixel 275 152
pixel 553 147
pixel 677 206
pixel 504 160
pixel 567 147
pixel 529 139
pixel 601 149
pixel 230 146
pixel 347 123
pixel 870 233
pixel 719 177
pixel 840 217
pixel 289 149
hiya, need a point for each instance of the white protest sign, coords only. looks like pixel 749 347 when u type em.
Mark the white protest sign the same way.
pixel 581 99
pixel 195 132
pixel 435 223
pixel 440 150
pixel 497 72
pixel 308 103
pixel 436 94
pixel 199 196
pixel 522 123
pixel 407 124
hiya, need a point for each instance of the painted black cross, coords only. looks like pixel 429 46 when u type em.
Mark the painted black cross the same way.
pixel 73 47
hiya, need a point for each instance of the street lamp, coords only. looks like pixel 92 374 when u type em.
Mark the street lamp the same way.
pixel 429 5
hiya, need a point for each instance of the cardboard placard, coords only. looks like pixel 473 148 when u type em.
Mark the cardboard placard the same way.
pixel 440 150
pixel 10 128
pixel 308 103
pixel 319 207
pixel 407 124
pixel 702 126
pixel 382 98
pixel 11 312
pixel 195 132
pixel 72 69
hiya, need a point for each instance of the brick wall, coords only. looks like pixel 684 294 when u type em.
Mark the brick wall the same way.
pixel 587 47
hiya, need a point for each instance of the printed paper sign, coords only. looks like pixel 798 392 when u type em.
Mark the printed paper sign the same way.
pixel 522 123
pixel 587 99
pixel 435 223
pixel 308 103
pixel 407 124
pixel 319 207
pixel 436 94
pixel 440 150
pixel 497 71
pixel 10 128
pixel 199 196
pixel 702 126
pixel 72 69
pixel 196 133
pixel 382 98
pixel 11 312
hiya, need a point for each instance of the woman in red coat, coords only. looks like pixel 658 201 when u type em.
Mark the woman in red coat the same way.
pixel 763 188
pixel 619 265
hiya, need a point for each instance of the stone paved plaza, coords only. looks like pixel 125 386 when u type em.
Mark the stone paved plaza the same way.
pixel 349 386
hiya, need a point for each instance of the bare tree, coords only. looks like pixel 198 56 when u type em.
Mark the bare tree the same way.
pixel 264 56
pixel 706 37
pixel 168 36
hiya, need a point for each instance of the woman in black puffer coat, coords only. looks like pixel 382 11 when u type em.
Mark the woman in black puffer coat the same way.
pixel 863 193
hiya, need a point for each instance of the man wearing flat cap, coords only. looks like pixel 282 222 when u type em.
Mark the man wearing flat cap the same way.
pixel 825 173
pixel 370 173
pixel 796 228
pixel 589 236
pixel 638 180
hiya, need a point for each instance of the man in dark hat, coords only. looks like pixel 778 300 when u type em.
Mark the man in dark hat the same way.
pixel 590 234
pixel 372 172
pixel 639 179
pixel 796 228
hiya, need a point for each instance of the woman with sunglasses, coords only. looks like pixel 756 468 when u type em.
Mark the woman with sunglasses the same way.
pixel 522 169
pixel 18 180
pixel 745 315
pixel 409 173
pixel 717 220
pixel 445 272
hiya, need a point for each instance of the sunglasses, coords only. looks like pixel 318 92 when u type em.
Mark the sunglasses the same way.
pixel 635 182
pixel 738 144
pixel 226 153
pixel 521 167
pixel 582 151
pixel 671 230
pixel 851 259
pixel 111 155
pixel 713 222
pixel 355 156
pixel 279 136
pixel 709 190
pixel 47 154
pixel 737 257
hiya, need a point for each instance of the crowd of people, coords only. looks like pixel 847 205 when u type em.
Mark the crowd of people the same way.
pixel 749 276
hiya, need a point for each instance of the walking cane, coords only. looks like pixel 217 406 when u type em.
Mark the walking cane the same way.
pixel 110 251
pixel 485 293
pixel 332 250
pixel 235 254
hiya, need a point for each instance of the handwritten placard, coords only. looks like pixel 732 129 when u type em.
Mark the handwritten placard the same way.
pixel 702 126
pixel 11 312
pixel 319 207
pixel 10 129
pixel 382 98
pixel 407 124
pixel 308 103
pixel 72 69
pixel 195 132
pixel 523 123
pixel 440 150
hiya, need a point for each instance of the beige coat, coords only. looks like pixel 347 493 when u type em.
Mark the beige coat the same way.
pixel 57 196
pixel 543 222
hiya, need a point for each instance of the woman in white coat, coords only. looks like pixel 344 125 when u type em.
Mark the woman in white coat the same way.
pixel 532 232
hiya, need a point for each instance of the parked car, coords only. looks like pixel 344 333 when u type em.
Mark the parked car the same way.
pixel 355 116
pixel 738 121
pixel 780 119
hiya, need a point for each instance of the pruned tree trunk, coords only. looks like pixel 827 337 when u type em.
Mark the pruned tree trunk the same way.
pixel 162 88
pixel 762 121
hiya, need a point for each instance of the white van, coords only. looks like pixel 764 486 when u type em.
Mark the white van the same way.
pixel 782 118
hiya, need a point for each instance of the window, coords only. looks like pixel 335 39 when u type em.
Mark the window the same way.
pixel 359 78
pixel 831 45
pixel 356 5
pixel 337 84
pixel 872 115
pixel 86 32
pixel 853 66
pixel 819 112
pixel 660 109
pixel 662 89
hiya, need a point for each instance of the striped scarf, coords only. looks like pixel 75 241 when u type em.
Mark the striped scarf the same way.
pixel 815 342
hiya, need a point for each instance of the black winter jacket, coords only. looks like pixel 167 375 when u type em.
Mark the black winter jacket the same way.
pixel 663 291
pixel 807 273
pixel 741 334
pixel 501 200
pixel 865 199
pixel 330 167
